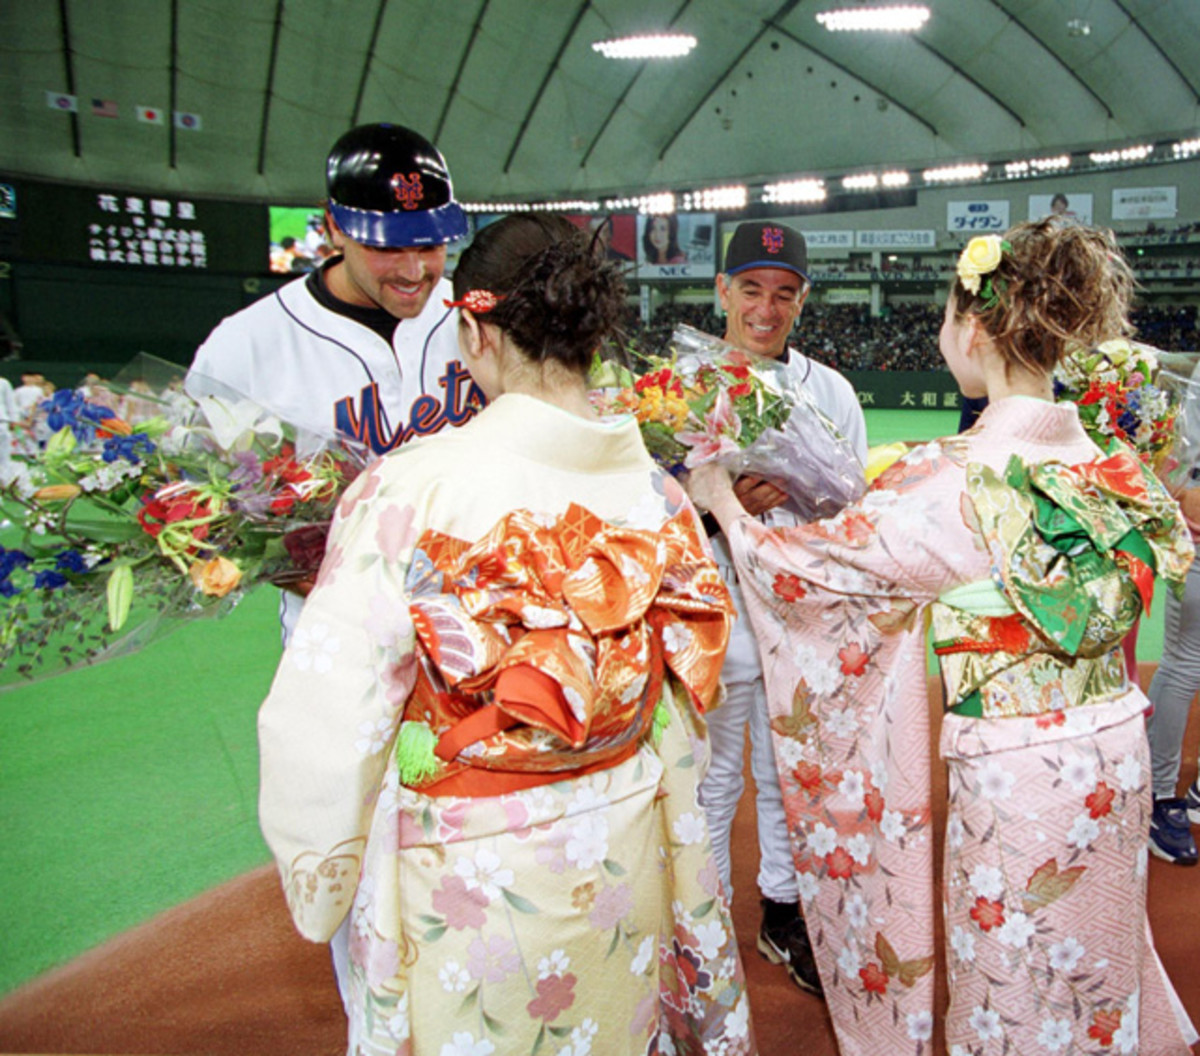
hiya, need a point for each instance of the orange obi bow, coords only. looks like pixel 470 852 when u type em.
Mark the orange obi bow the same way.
pixel 543 645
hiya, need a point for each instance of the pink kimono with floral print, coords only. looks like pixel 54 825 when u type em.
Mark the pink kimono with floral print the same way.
pixel 1045 866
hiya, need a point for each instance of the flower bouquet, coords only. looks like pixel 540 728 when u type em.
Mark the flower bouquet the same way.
pixel 709 401
pixel 1130 391
pixel 118 530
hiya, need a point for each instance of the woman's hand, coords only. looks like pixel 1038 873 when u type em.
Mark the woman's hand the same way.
pixel 710 487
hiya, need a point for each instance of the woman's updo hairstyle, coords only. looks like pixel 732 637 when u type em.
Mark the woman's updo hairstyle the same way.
pixel 1060 284
pixel 558 298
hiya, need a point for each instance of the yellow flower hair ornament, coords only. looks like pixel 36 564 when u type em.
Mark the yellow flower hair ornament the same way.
pixel 982 257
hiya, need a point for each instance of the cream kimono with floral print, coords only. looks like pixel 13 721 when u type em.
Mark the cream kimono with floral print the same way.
pixel 579 917
pixel 1044 881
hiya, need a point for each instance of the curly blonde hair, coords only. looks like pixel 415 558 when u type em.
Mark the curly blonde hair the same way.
pixel 1058 286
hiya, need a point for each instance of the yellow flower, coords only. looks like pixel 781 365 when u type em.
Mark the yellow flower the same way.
pixel 216 577
pixel 981 256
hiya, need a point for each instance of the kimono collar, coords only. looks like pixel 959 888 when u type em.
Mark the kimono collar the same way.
pixel 1033 420
pixel 524 425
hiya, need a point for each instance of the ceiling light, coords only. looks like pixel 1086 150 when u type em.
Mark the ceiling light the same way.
pixel 895 179
pixel 1017 169
pixel 653 46
pixel 1079 27
pixel 1107 157
pixel 795 191
pixel 1185 148
pixel 864 181
pixel 898 18
pixel 717 199
pixel 950 173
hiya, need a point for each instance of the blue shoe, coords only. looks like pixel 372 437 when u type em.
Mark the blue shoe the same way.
pixel 1170 832
pixel 1193 802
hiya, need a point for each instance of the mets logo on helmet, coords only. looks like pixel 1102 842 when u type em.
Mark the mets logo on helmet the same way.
pixel 408 190
pixel 773 239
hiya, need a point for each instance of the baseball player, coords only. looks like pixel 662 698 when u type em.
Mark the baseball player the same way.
pixel 762 292
pixel 364 346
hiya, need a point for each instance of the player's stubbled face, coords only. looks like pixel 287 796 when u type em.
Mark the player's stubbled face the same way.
pixel 397 280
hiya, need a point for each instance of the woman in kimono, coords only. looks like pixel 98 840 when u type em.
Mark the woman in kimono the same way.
pixel 484 739
pixel 1028 552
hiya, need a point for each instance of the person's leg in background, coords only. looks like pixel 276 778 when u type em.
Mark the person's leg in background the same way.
pixel 1171 691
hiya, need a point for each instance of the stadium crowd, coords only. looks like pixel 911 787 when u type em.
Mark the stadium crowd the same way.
pixel 904 338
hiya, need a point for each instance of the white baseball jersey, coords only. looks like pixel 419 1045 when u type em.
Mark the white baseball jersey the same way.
pixel 327 373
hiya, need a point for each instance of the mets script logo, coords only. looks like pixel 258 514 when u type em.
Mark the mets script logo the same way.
pixel 408 190
pixel 365 420
pixel 773 239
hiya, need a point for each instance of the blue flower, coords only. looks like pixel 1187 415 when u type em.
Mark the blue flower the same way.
pixel 67 409
pixel 10 559
pixel 70 561
pixel 48 579
pixel 1129 422
pixel 126 447
pixel 7 589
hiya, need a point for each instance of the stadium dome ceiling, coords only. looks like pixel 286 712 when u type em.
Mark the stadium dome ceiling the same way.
pixel 521 105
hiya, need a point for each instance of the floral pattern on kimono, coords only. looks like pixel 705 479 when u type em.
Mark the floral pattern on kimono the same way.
pixel 841 608
pixel 579 916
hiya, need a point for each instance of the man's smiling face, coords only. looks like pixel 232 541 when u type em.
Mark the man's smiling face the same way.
pixel 762 305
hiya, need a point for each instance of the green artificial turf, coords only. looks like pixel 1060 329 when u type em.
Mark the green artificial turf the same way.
pixel 131 786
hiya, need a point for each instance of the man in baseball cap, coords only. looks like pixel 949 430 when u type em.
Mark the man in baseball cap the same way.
pixel 762 290
pixel 764 286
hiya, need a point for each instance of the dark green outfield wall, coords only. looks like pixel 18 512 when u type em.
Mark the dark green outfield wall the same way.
pixel 72 319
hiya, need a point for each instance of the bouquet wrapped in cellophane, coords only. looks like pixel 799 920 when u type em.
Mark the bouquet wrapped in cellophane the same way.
pixel 706 400
pixel 1128 390
pixel 145 508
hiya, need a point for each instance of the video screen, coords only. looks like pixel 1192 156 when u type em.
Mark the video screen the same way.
pixel 298 240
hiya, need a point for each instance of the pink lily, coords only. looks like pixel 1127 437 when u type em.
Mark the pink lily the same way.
pixel 721 429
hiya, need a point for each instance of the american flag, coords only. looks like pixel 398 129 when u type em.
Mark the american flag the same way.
pixel 104 108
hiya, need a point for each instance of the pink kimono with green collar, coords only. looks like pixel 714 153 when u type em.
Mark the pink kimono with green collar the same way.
pixel 1045 869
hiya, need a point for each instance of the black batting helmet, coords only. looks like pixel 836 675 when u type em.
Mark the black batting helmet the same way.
pixel 389 187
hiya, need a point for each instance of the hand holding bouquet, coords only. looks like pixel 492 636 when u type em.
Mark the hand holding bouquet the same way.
pixel 125 528
pixel 708 401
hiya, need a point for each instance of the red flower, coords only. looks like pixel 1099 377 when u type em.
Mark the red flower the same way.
pixel 987 914
pixel 1050 718
pixel 874 804
pixel 788 586
pixel 1099 803
pixel 854 659
pixel 281 504
pixel 741 389
pixel 306 547
pixel 840 864
pixel 874 979
pixel 808 775
pixel 556 993
pixel 663 380
pixel 742 373
pixel 157 513
pixel 1104 1025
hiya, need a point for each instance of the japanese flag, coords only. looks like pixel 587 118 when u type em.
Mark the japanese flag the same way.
pixel 151 115
pixel 68 104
